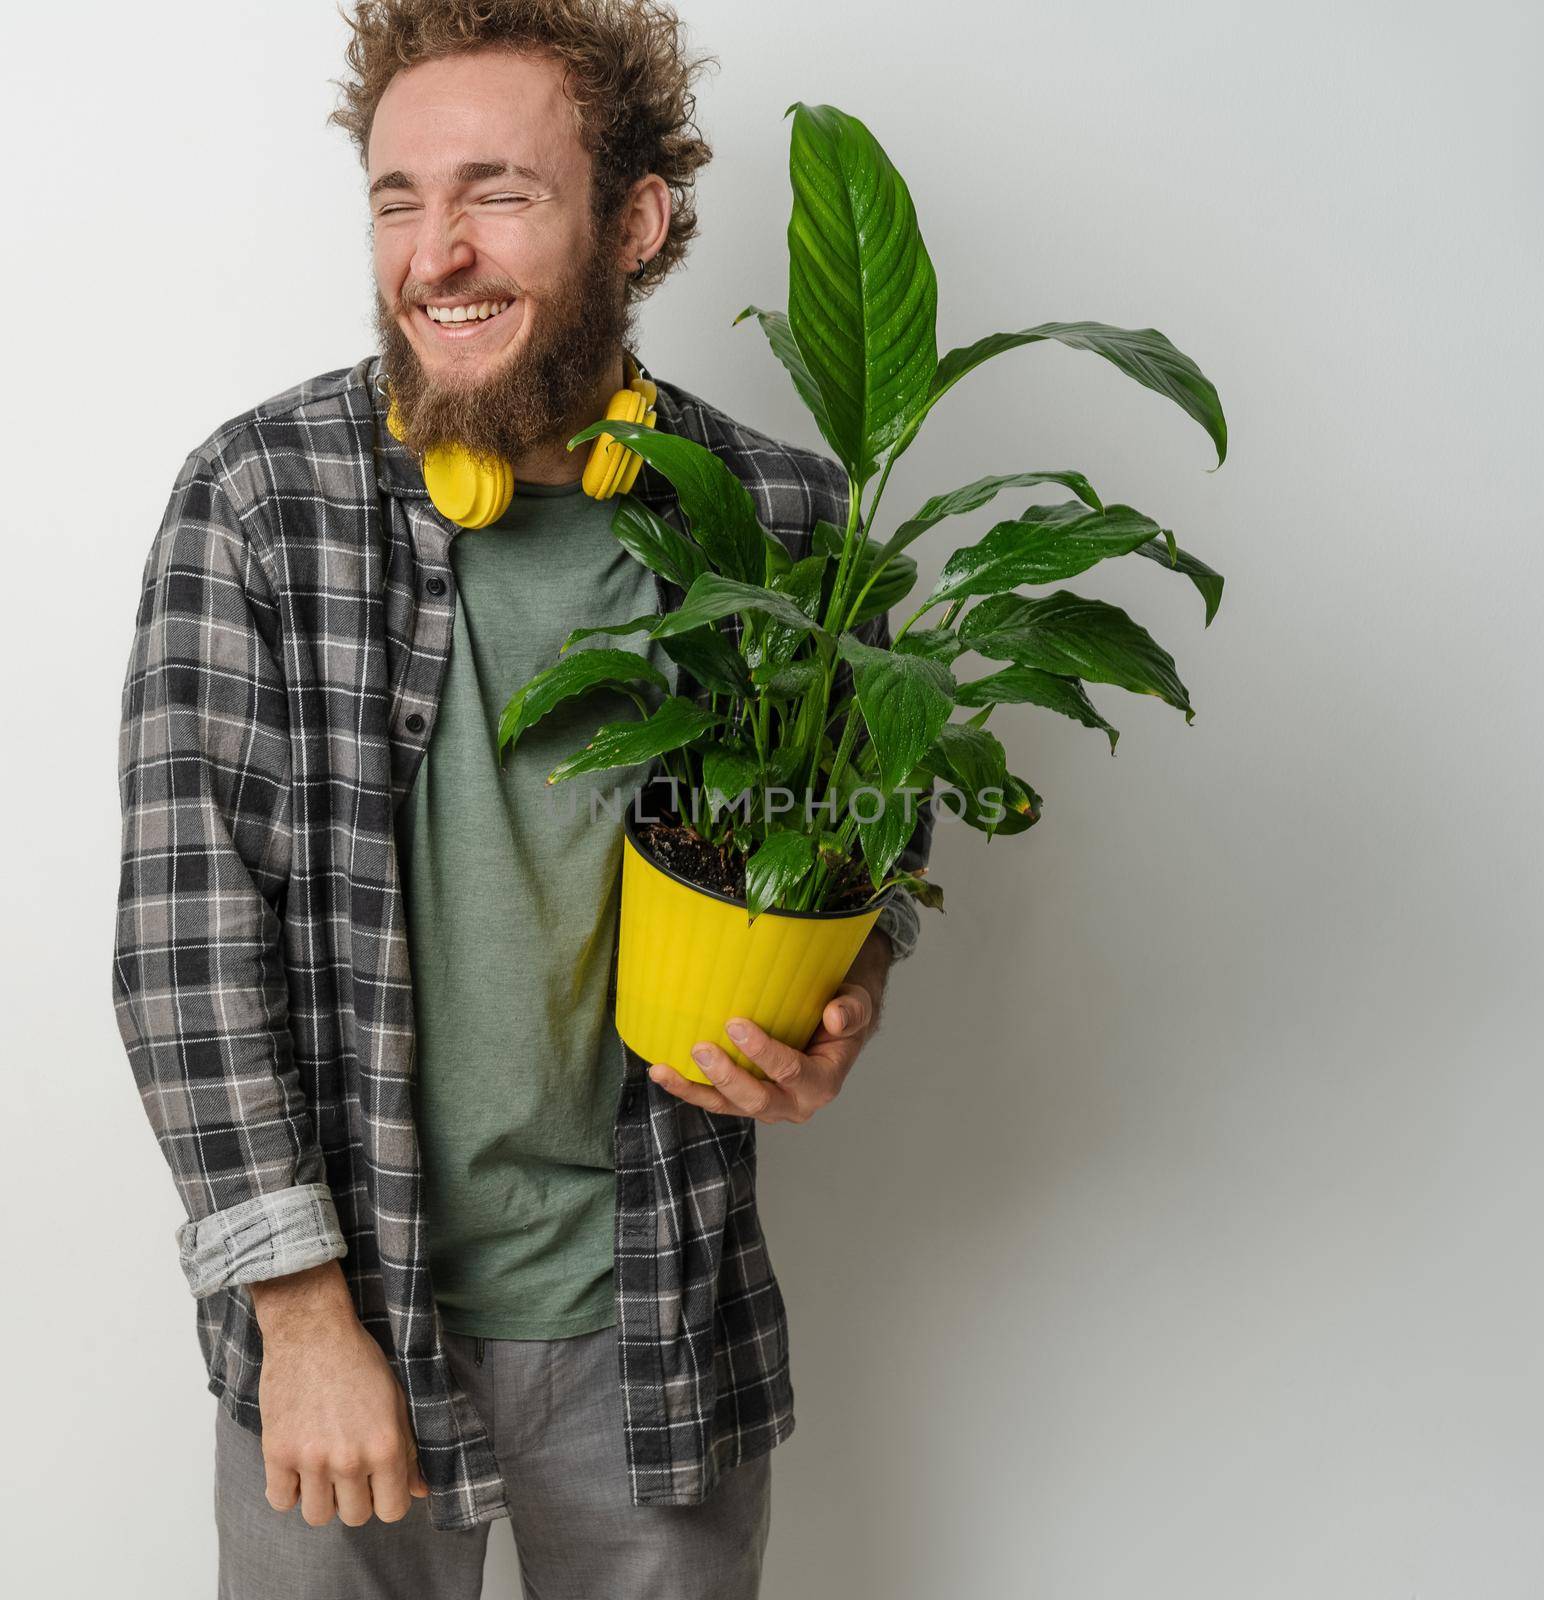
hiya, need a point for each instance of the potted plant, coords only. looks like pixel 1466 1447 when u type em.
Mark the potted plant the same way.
pixel 735 902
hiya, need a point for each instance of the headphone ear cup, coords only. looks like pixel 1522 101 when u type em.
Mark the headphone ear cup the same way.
pixel 625 457
pixel 634 463
pixel 471 491
pixel 609 457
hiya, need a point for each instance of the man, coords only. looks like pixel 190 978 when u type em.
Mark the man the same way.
pixel 457 1254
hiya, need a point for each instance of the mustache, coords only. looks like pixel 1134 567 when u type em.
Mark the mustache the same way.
pixel 473 291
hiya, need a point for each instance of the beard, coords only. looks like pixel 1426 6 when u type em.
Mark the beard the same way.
pixel 537 394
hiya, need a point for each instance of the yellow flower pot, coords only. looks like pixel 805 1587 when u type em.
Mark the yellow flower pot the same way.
pixel 689 960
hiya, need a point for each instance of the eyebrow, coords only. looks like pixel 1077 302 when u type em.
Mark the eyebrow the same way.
pixel 467 172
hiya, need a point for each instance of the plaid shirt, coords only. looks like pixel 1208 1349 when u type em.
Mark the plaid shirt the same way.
pixel 293 630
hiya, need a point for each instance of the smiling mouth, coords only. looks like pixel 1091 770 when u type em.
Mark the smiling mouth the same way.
pixel 465 321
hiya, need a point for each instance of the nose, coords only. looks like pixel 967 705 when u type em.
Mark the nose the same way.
pixel 440 250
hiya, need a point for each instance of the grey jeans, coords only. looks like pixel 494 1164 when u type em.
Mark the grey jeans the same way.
pixel 554 1409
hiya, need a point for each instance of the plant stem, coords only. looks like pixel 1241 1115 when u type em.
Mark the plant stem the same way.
pixel 827 671
pixel 849 545
pixel 825 697
pixel 927 605
pixel 869 519
pixel 868 522
pixel 844 748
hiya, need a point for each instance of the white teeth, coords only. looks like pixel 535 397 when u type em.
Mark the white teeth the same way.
pixel 479 313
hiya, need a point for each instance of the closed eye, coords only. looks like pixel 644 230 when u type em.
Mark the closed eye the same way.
pixel 492 199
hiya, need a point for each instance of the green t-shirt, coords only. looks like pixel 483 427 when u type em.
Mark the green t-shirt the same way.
pixel 512 887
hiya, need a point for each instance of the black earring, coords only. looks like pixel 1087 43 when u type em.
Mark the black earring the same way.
pixel 639 272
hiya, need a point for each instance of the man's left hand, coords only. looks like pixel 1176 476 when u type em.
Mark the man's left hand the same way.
pixel 798 1082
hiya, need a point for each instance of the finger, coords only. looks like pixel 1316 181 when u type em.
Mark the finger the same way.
pixel 688 1089
pixel 283 1488
pixel 745 1092
pixel 351 1491
pixel 388 1488
pixel 781 1062
pixel 417 1484
pixel 848 1012
pixel 317 1504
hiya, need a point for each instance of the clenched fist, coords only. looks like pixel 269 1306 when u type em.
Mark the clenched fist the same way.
pixel 336 1432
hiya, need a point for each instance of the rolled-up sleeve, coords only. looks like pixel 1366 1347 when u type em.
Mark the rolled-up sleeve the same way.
pixel 268 1236
pixel 199 985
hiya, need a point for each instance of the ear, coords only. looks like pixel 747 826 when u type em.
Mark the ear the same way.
pixel 645 223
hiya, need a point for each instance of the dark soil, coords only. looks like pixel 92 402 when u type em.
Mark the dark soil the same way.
pixel 675 846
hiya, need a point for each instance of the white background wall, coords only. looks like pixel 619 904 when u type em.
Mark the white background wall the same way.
pixel 1180 1237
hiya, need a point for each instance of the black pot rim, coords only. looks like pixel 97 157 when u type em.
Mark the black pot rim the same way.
pixel 630 826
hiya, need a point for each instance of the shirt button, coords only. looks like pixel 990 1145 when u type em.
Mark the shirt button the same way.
pixel 435 586
pixel 629 1100
pixel 415 723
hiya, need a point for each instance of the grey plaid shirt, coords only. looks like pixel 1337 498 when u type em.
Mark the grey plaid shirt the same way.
pixel 293 629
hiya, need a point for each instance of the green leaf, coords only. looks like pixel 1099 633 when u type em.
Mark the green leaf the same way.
pixel 636 625
pixel 711 597
pixel 783 861
pixel 937 644
pixel 974 761
pixel 778 558
pixel 831 849
pixel 1029 685
pixel 930 894
pixel 785 764
pixel 904 699
pixel 1207 582
pixel 1045 545
pixel 727 772
pixel 827 538
pixel 573 675
pixel 786 682
pixel 862 294
pixel 894 819
pixel 717 505
pixel 802 584
pixel 967 755
pixel 1075 637
pixel 1023 811
pixel 623 744
pixel 974 495
pixel 780 336
pixel 1141 353
pixel 707 654
pixel 892 586
pixel 648 538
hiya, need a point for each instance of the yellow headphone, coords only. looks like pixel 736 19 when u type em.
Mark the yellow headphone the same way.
pixel 473 491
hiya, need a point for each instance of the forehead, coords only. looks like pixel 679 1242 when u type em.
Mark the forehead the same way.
pixel 494 103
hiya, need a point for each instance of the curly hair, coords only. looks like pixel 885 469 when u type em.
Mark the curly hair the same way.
pixel 624 71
